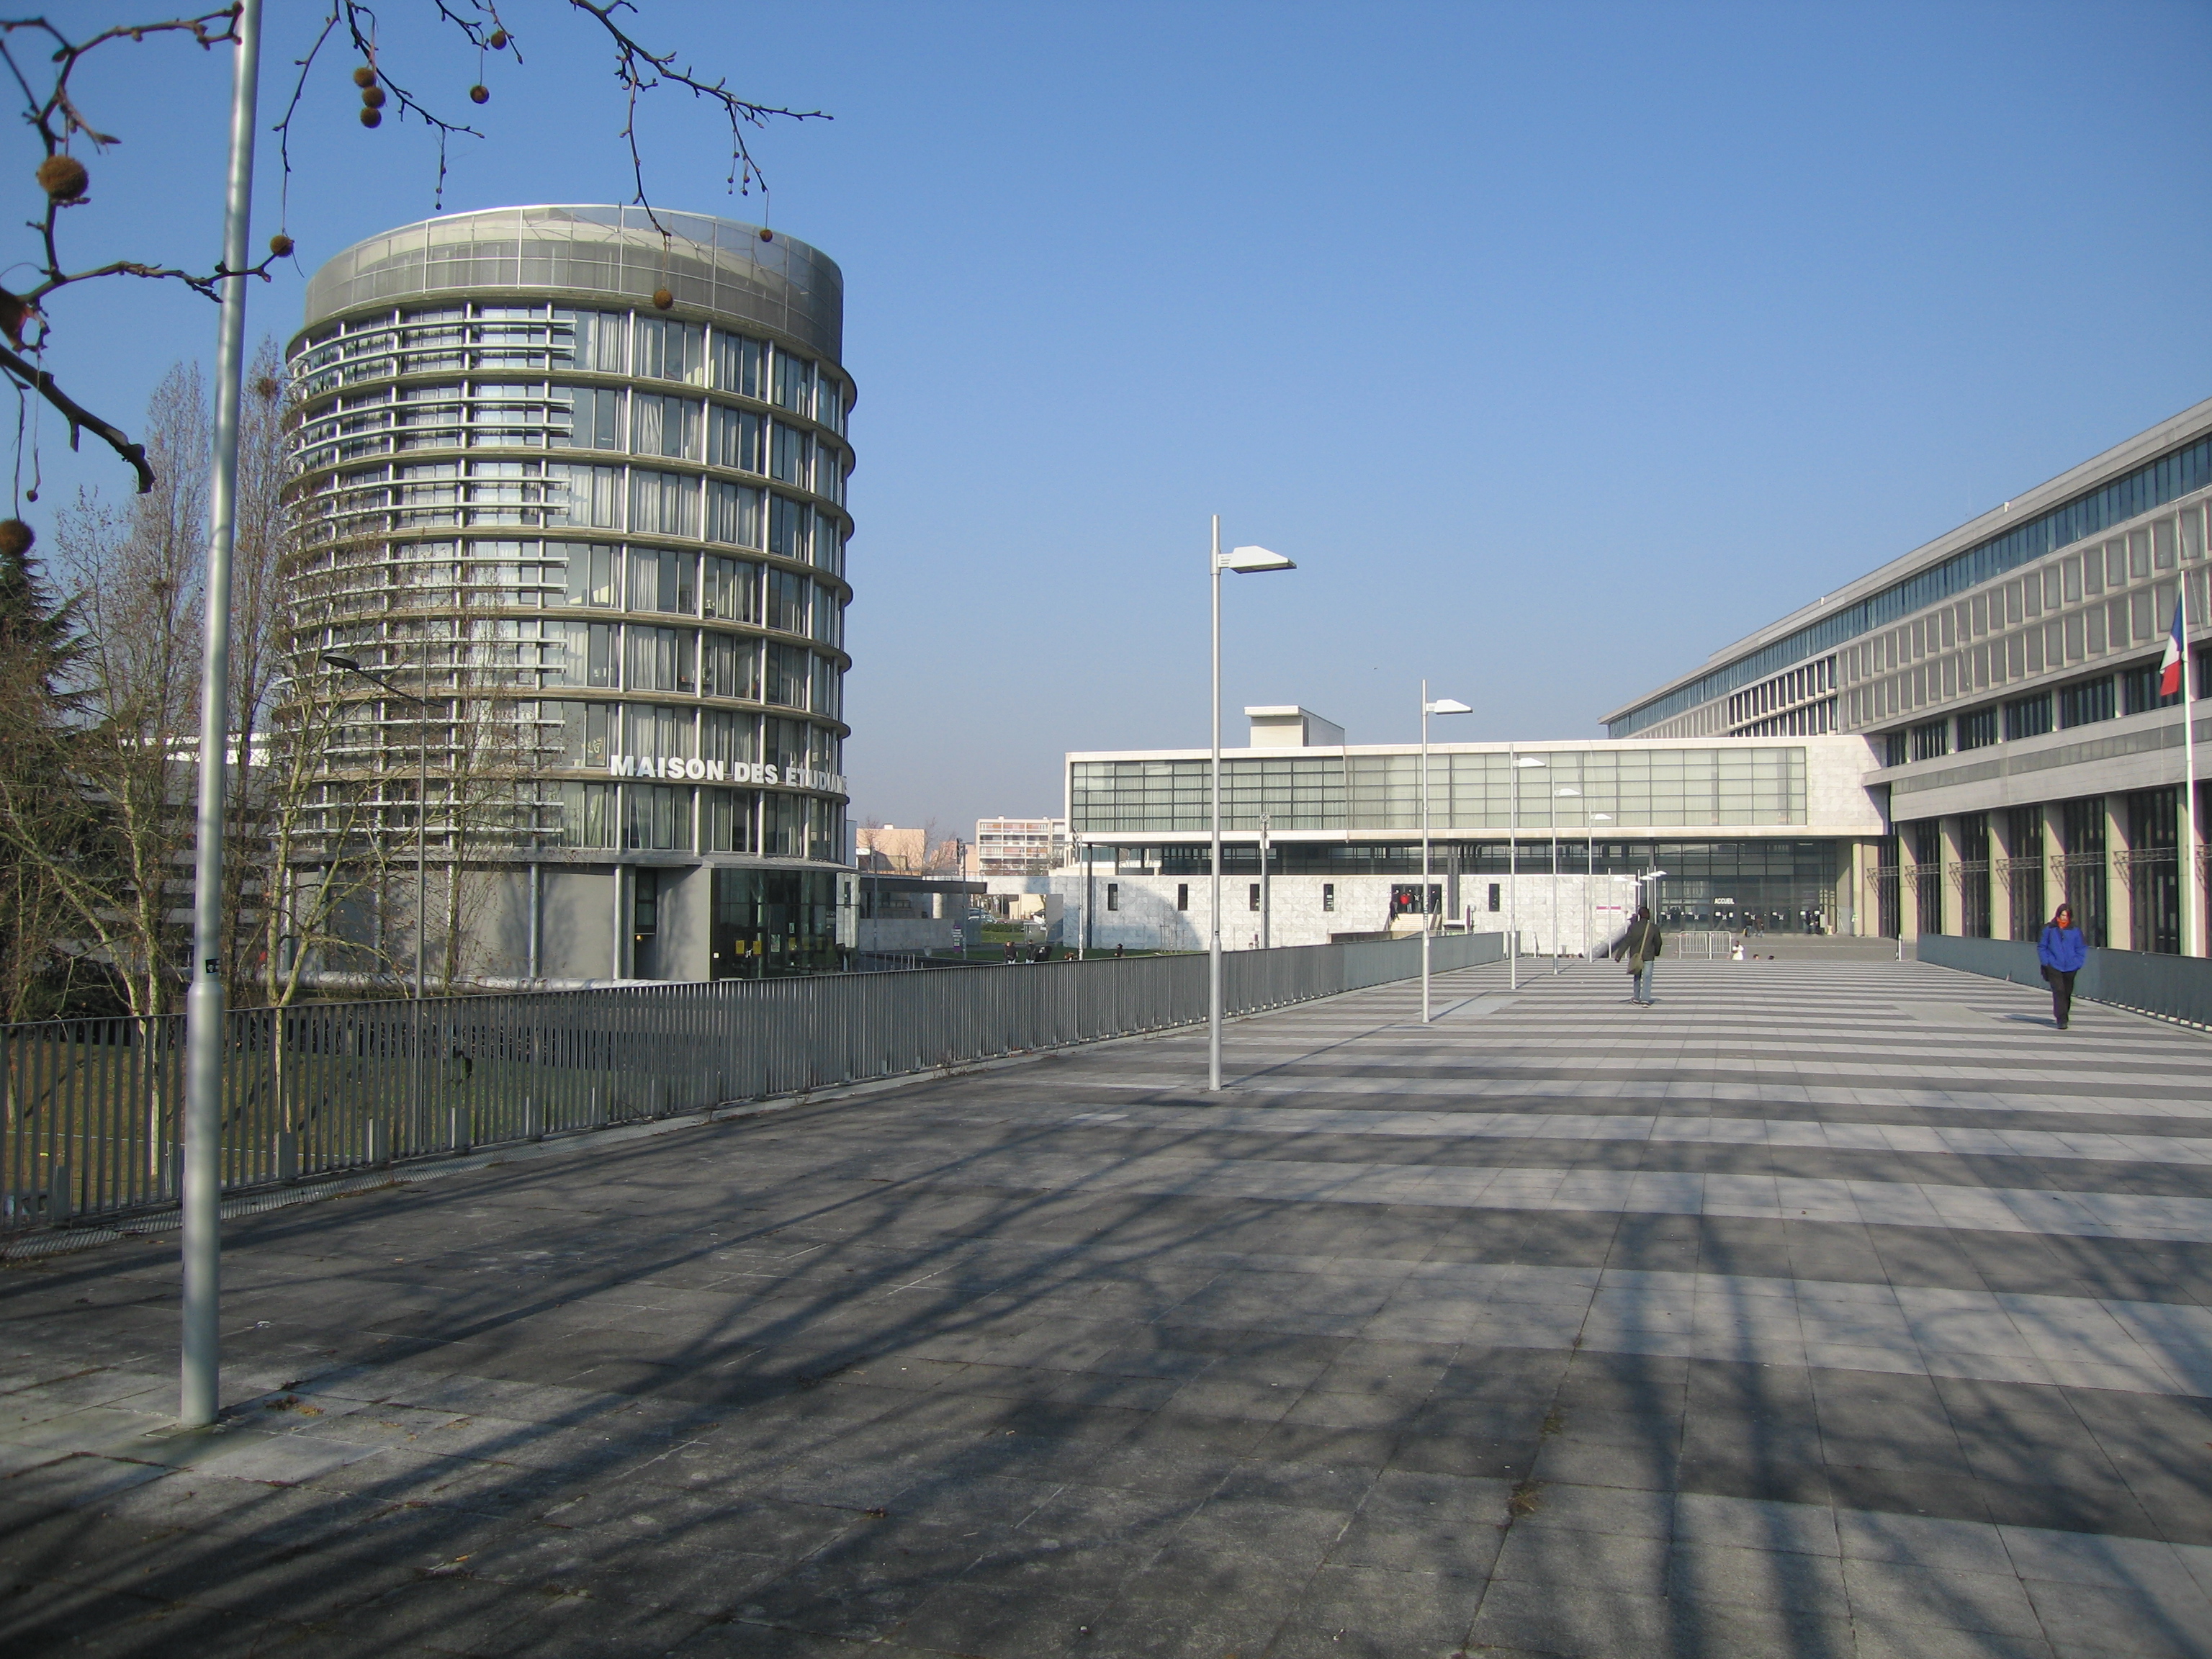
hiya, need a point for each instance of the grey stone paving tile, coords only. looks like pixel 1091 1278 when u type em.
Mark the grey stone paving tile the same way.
pixel 1877 1637
pixel 1586 1621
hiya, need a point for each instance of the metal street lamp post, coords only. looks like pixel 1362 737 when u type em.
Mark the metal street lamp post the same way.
pixel 206 1024
pixel 1515 762
pixel 1441 706
pixel 1248 561
pixel 1558 944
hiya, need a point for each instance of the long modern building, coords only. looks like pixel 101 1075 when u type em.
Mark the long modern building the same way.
pixel 574 485
pixel 2005 676
pixel 1321 839
pixel 1951 744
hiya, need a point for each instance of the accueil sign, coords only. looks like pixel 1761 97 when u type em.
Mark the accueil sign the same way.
pixel 675 767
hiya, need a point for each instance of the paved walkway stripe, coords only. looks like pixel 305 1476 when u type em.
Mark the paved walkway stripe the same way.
pixel 1808 1133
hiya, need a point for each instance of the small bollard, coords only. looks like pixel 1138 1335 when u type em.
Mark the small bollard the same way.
pixel 457 1128
pixel 378 1149
pixel 533 1121
pixel 653 1097
pixel 288 1155
pixel 61 1193
pixel 599 1119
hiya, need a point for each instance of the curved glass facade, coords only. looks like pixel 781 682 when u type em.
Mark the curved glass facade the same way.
pixel 604 540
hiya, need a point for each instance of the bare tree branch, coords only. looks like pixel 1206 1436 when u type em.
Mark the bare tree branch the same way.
pixel 640 69
pixel 79 416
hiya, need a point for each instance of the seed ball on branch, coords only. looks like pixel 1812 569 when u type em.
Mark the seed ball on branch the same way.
pixel 281 245
pixel 479 94
pixel 767 236
pixel 662 299
pixel 371 118
pixel 62 177
pixel 16 537
pixel 364 77
pixel 497 40
pixel 373 97
pixel 267 388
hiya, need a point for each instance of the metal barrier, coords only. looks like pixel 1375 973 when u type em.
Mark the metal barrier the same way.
pixel 2142 982
pixel 90 1109
pixel 1700 946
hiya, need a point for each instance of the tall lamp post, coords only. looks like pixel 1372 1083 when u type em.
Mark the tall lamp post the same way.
pixel 1559 944
pixel 1515 762
pixel 1441 706
pixel 206 1024
pixel 1250 561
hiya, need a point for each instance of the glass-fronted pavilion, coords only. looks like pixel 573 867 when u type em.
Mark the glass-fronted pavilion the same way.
pixel 1719 834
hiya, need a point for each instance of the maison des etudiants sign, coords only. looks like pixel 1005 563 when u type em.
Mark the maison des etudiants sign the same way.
pixel 676 768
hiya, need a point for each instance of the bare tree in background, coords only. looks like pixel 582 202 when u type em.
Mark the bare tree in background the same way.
pixel 136 571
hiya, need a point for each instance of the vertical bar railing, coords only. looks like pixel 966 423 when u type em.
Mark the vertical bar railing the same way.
pixel 88 1122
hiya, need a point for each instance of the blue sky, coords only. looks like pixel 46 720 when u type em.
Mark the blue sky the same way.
pixel 1560 344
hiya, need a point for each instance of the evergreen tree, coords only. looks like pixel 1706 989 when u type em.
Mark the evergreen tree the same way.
pixel 42 807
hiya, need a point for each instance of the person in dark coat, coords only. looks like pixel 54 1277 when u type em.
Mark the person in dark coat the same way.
pixel 2063 951
pixel 1639 948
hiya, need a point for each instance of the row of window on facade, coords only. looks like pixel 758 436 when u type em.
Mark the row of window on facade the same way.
pixel 1813 679
pixel 1749 786
pixel 555 416
pixel 550 734
pixel 1687 863
pixel 523 337
pixel 2134 690
pixel 2071 592
pixel 527 653
pixel 2165 543
pixel 660 818
pixel 1812 719
pixel 440 494
pixel 2036 857
pixel 533 576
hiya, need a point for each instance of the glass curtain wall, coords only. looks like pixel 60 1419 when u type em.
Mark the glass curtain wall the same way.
pixel 1928 875
pixel 2024 873
pixel 2154 870
pixel 1974 875
pixel 2081 865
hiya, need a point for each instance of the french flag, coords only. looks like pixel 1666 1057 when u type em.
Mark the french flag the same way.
pixel 2169 679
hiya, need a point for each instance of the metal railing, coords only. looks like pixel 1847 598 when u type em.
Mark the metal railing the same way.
pixel 90 1109
pixel 2143 981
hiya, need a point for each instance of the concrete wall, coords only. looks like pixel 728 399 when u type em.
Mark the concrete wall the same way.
pixel 579 922
pixel 910 933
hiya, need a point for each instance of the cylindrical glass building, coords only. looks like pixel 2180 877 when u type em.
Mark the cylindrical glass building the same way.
pixel 574 477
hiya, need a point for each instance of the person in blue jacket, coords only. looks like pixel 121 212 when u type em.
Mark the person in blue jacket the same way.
pixel 2061 951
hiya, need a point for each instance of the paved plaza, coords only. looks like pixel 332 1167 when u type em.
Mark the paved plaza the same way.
pixel 1834 1308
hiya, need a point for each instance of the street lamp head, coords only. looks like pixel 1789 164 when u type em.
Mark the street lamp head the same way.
pixel 332 660
pixel 1251 561
pixel 1569 790
pixel 1531 760
pixel 1601 817
pixel 1447 706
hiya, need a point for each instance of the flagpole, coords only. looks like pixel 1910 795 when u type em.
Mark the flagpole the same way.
pixel 2192 909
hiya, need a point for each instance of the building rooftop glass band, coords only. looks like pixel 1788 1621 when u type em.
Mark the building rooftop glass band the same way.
pixel 2152 485
pixel 716 264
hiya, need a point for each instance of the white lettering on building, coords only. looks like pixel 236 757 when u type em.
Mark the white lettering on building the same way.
pixel 695 770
